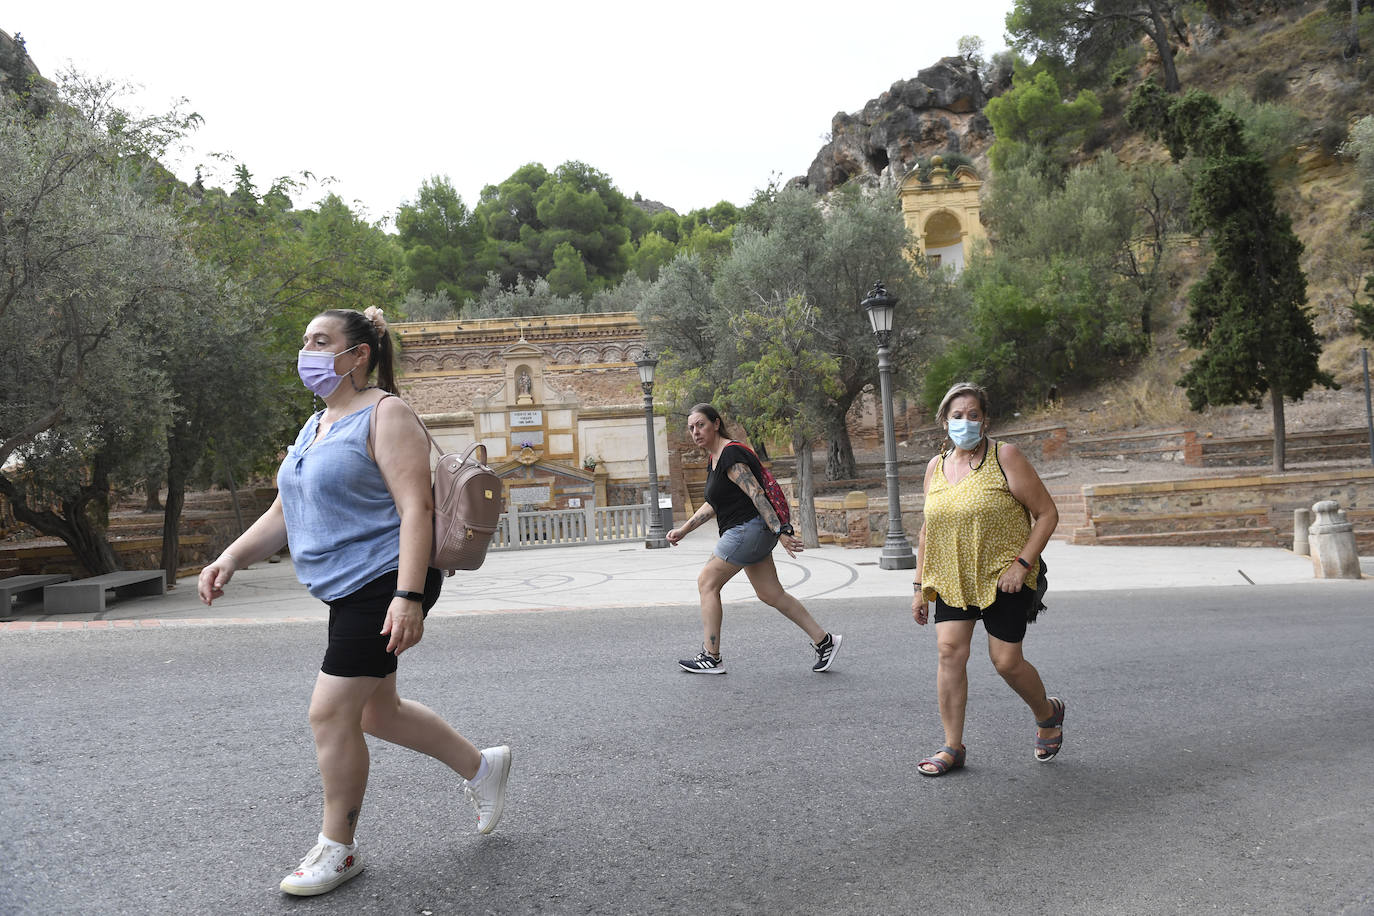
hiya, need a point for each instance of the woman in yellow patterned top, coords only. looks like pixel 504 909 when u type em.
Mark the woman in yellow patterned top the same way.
pixel 987 518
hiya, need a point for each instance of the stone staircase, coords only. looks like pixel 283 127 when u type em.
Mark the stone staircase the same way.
pixel 1073 512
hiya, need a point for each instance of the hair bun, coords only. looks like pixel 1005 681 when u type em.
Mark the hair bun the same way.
pixel 378 319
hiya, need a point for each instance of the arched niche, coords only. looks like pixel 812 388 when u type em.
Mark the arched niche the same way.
pixel 943 239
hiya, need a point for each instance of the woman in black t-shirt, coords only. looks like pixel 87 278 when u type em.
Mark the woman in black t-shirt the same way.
pixel 749 528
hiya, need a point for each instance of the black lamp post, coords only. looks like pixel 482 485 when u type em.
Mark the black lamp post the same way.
pixel 656 536
pixel 896 549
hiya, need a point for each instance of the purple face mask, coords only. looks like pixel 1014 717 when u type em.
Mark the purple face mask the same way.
pixel 316 369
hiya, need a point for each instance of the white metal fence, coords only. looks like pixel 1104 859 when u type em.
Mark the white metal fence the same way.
pixel 567 527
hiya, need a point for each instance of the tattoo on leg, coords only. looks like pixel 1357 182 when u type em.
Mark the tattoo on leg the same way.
pixel 353 818
pixel 714 640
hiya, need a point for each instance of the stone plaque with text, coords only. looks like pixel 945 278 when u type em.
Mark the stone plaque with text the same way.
pixel 529 496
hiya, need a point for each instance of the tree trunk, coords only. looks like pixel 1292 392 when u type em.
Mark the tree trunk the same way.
pixel 757 442
pixel 806 492
pixel 73 524
pixel 1276 400
pixel 151 488
pixel 839 456
pixel 90 546
pixel 1352 47
pixel 1159 34
pixel 171 526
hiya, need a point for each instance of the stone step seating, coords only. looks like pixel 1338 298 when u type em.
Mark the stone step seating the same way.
pixel 87 596
pixel 1156 445
pixel 1233 527
pixel 1299 447
pixel 1217 537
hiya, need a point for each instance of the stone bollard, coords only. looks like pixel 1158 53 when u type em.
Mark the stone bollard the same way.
pixel 1302 520
pixel 1332 541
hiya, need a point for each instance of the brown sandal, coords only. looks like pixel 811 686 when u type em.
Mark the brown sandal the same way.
pixel 1047 748
pixel 943 766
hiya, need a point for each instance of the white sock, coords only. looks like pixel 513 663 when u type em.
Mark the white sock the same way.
pixel 482 770
pixel 325 839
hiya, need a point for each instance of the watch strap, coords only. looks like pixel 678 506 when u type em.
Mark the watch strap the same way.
pixel 409 596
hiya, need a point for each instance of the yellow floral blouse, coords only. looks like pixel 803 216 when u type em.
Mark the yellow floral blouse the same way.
pixel 974 530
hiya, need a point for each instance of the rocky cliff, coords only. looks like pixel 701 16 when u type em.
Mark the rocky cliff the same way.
pixel 940 111
pixel 20 78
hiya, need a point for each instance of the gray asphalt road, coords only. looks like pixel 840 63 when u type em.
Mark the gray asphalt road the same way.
pixel 1217 759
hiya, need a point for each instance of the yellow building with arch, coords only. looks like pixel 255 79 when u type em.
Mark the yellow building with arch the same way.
pixel 942 212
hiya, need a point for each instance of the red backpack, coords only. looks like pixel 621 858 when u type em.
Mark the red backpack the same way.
pixel 776 498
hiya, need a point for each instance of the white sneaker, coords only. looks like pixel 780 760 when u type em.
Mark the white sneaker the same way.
pixel 324 868
pixel 489 795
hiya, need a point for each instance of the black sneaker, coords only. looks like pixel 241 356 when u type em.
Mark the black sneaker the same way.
pixel 704 663
pixel 825 651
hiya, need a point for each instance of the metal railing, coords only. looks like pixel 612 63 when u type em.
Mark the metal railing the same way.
pixel 519 529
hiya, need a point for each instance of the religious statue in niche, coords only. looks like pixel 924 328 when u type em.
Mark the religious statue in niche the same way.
pixel 524 388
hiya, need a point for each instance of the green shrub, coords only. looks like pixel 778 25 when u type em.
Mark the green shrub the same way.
pixel 1269 85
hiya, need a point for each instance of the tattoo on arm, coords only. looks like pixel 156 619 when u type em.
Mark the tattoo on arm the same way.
pixel 744 479
pixel 698 518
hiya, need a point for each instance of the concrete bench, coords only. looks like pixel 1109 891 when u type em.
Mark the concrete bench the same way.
pixel 16 588
pixel 87 596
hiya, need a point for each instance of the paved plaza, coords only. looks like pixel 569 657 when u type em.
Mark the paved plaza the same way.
pixel 627 575
pixel 1218 739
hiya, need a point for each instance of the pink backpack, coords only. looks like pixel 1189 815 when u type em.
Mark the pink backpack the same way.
pixel 467 503
pixel 776 498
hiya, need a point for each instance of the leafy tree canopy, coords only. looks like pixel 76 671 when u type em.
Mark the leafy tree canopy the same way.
pixel 105 309
pixel 826 259
pixel 443 243
pixel 534 212
pixel 1033 114
pixel 1086 34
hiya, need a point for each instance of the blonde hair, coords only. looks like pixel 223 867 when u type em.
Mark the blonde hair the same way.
pixel 958 390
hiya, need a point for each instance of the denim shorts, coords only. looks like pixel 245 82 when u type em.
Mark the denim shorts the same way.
pixel 747 544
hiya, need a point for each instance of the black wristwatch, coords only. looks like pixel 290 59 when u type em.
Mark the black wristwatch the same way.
pixel 409 596
pixel 787 530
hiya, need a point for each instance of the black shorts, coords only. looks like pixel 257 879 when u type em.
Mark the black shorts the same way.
pixel 1005 618
pixel 356 646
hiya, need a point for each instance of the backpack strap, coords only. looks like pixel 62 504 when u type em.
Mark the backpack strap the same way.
pixel 372 432
pixel 755 466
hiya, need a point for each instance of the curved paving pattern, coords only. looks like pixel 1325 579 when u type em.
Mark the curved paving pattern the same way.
pixel 627 575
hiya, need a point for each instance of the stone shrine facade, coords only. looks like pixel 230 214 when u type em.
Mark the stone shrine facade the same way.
pixel 942 212
pixel 555 399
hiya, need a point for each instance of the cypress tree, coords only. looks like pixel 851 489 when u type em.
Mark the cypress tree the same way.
pixel 1248 314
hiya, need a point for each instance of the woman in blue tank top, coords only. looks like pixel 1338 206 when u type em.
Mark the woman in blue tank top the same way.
pixel 357 512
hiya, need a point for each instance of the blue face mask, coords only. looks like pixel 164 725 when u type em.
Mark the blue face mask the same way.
pixel 316 369
pixel 966 434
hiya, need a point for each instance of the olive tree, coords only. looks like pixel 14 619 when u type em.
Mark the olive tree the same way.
pixel 87 264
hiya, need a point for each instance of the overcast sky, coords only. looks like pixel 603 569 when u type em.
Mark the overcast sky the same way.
pixel 686 103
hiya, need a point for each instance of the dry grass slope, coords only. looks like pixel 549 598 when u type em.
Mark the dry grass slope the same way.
pixel 1299 49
